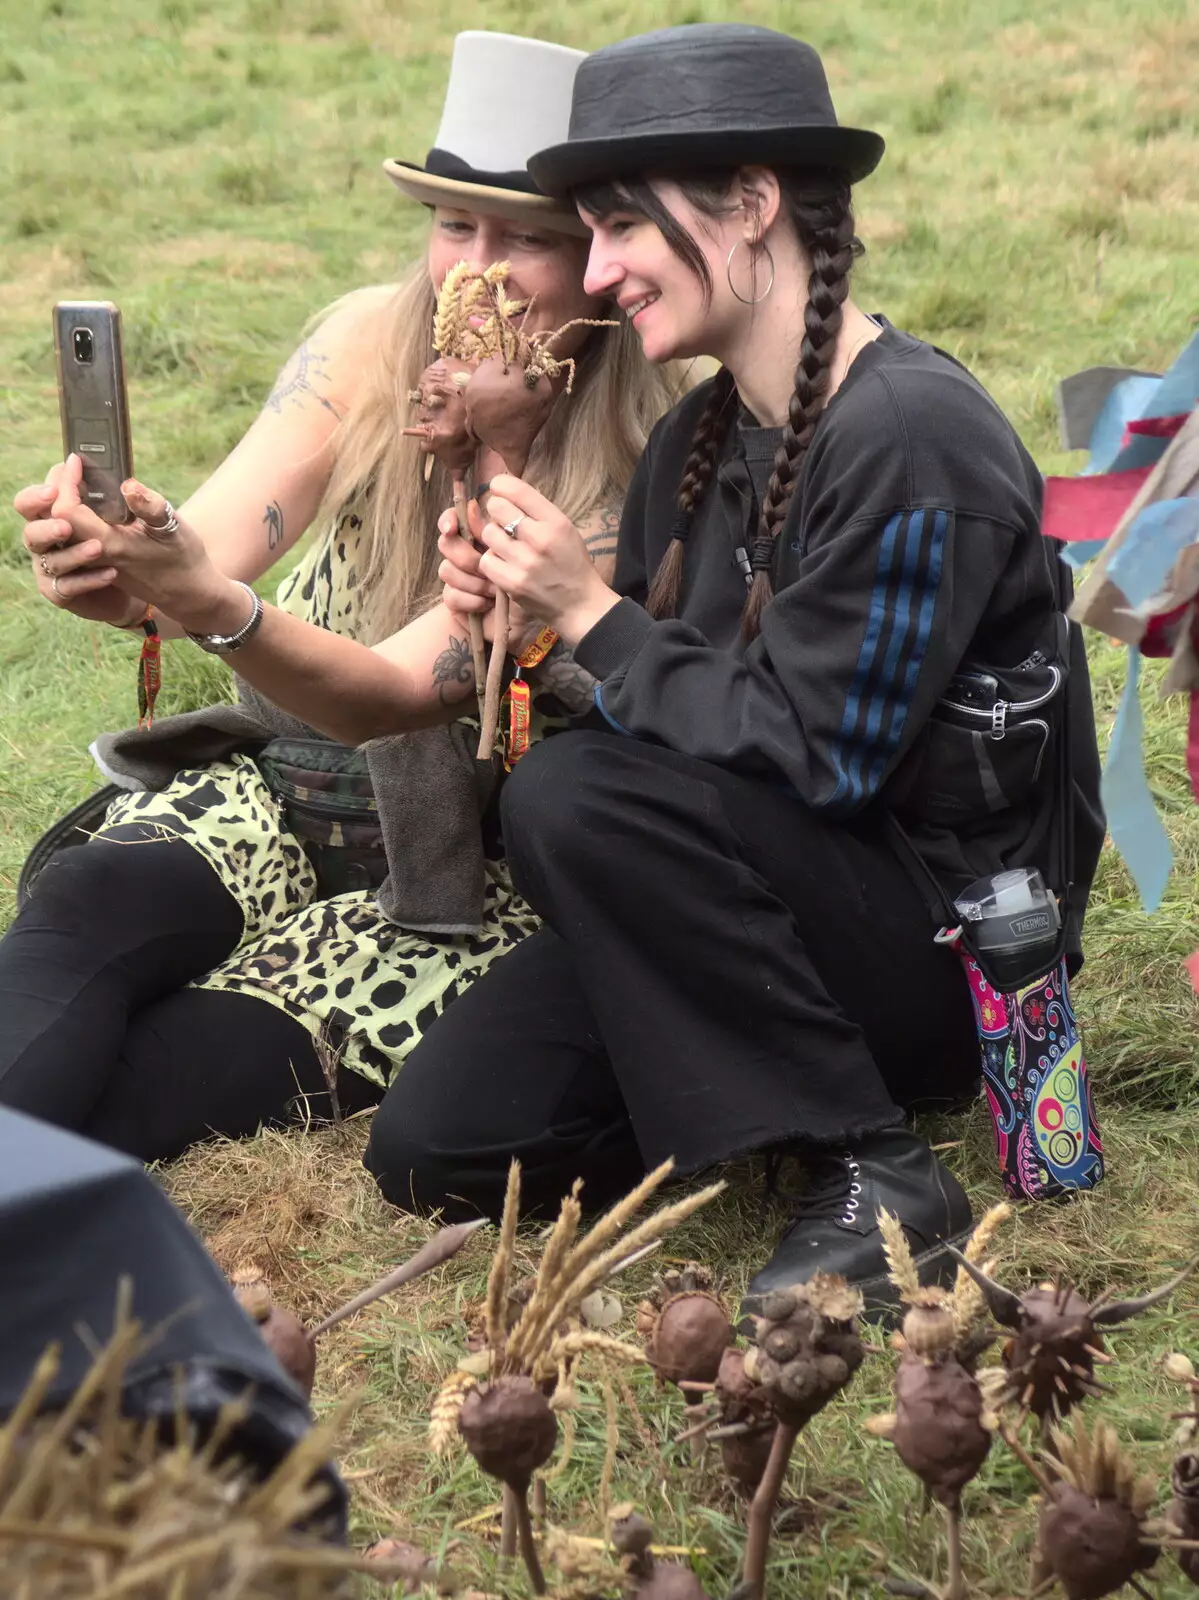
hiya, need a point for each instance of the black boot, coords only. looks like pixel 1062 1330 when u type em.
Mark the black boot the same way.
pixel 835 1226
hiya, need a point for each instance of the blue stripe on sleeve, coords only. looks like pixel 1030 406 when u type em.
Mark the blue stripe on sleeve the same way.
pixel 598 696
pixel 898 628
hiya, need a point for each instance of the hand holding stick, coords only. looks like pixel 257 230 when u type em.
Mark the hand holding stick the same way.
pixel 494 388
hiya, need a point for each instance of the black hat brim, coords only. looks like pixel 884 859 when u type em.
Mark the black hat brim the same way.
pixel 563 167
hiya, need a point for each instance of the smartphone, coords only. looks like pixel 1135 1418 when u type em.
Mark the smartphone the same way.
pixel 92 401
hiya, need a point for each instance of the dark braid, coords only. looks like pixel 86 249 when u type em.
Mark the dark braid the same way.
pixel 824 224
pixel 663 599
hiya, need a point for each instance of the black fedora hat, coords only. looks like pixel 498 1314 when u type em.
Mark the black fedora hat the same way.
pixel 712 94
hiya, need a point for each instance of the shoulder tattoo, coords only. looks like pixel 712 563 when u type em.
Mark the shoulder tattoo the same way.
pixel 305 375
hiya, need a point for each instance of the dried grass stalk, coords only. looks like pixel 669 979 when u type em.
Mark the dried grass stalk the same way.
pixel 501 1264
pixel 95 1505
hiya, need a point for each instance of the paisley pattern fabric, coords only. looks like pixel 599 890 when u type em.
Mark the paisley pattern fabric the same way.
pixel 364 987
pixel 1035 1076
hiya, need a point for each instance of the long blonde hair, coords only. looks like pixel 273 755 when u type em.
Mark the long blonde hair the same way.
pixel 583 458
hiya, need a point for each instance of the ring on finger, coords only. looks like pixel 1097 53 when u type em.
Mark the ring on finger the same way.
pixel 169 525
pixel 58 594
pixel 45 566
pixel 511 527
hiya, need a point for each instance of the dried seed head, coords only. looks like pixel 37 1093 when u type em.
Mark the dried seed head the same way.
pixel 803 1355
pixel 1051 1359
pixel 447 1408
pixel 1092 1528
pixel 1093 1546
pixel 686 1338
pixel 1178 1368
pixel 283 1334
pixel 631 1535
pixel 929 1330
pixel 509 1428
pixel 939 1432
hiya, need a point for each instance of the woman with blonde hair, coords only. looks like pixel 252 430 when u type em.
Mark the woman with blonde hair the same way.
pixel 295 913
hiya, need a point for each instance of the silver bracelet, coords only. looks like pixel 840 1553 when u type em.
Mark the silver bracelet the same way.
pixel 222 644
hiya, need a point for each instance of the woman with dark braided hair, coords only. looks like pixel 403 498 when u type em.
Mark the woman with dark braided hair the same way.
pixel 738 954
pixel 818 543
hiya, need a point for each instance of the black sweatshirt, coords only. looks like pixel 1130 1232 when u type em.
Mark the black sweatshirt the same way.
pixel 911 546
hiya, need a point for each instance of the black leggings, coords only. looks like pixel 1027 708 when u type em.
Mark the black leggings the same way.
pixel 98 1032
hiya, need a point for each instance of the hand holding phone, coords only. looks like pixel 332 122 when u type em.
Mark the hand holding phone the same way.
pixel 93 402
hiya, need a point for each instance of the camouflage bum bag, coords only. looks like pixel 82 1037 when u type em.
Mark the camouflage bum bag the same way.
pixel 328 803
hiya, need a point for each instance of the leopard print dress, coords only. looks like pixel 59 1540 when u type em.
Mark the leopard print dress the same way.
pixel 361 985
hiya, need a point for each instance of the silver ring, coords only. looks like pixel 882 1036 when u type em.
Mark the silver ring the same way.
pixel 171 525
pixel 57 591
pixel 511 527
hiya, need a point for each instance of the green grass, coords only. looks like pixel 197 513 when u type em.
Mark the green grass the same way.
pixel 213 165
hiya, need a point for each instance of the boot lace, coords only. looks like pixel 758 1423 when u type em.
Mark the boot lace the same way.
pixel 835 1190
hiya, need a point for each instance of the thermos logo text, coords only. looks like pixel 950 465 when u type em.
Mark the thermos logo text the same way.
pixel 1038 922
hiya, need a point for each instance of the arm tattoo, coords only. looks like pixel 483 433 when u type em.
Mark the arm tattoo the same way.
pixel 453 666
pixel 273 518
pixel 299 379
pixel 601 540
pixel 566 680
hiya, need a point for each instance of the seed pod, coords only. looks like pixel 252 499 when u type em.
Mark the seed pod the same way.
pixel 1092 1529
pixel 807 1346
pixel 509 1429
pixel 631 1537
pixel 1057 1343
pixel 1183 1514
pixel 685 1326
pixel 282 1333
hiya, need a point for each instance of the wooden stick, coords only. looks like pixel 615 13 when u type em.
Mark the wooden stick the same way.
pixel 761 1511
pixel 444 1244
pixel 495 677
pixel 528 1545
pixel 478 649
pixel 508 1524
pixel 955 1589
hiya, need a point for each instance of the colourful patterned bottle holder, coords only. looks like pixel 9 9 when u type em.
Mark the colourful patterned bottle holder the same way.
pixel 1035 1076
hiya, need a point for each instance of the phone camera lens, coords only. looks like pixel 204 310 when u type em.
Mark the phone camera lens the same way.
pixel 83 345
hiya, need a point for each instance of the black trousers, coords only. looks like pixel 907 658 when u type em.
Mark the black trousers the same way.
pixel 723 971
pixel 98 1032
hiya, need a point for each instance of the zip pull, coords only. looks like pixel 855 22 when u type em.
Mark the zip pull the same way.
pixel 999 719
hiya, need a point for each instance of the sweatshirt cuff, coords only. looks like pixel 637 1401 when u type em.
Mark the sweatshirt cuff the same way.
pixel 614 640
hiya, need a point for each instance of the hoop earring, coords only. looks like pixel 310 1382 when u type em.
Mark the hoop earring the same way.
pixel 756 299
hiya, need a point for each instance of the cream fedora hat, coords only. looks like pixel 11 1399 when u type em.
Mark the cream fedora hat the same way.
pixel 507 98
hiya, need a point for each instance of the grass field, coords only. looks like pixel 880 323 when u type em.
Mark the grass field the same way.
pixel 213 165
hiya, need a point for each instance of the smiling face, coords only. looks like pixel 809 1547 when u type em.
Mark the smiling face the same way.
pixel 544 264
pixel 632 260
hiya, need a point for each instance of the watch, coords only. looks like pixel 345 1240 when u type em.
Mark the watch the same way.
pixel 222 644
